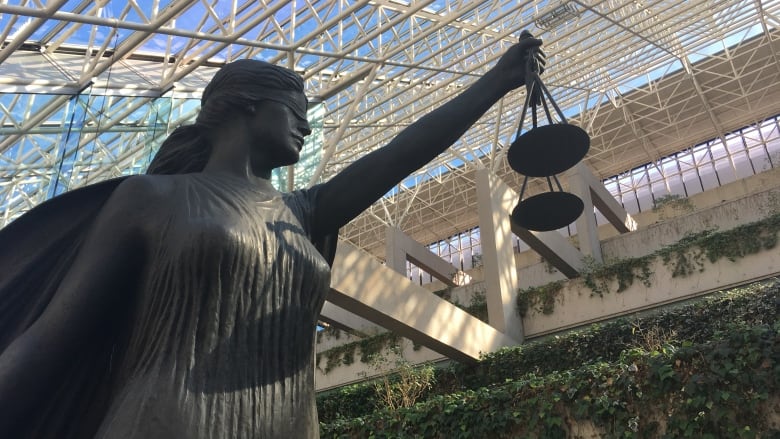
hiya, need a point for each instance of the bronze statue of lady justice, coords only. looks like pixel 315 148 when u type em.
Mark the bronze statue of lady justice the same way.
pixel 183 303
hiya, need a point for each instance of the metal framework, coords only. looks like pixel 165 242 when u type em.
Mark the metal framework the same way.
pixel 89 88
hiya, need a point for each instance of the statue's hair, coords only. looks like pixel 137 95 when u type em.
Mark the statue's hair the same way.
pixel 237 85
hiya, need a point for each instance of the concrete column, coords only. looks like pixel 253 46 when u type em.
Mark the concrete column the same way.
pixel 495 202
pixel 395 254
pixel 587 230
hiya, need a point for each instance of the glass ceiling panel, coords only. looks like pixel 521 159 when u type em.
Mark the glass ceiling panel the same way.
pixel 616 67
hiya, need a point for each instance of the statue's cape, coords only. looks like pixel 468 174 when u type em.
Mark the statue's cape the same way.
pixel 36 251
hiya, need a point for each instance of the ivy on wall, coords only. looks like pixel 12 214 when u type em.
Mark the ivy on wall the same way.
pixel 655 346
pixel 328 333
pixel 540 299
pixel 674 202
pixel 367 349
pixel 598 277
pixel 682 258
pixel 700 322
pixel 477 306
pixel 726 388
pixel 687 256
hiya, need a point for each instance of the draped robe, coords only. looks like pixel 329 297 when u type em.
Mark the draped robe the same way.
pixel 218 340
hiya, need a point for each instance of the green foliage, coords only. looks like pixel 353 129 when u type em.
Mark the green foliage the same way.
pixel 540 299
pixel 477 306
pixel 672 201
pixel 683 258
pixel 718 389
pixel 697 322
pixel 371 347
pixel 665 331
pixel 404 386
pixel 328 332
pixel 598 277
pixel 368 348
pixel 687 256
pixel 707 369
pixel 346 402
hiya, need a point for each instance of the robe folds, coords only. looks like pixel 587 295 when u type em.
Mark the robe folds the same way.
pixel 218 339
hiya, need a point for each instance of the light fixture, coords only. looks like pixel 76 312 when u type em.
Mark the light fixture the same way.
pixel 557 15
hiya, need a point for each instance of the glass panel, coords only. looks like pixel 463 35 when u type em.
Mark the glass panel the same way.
pixel 725 170
pixel 709 179
pixel 630 203
pixel 742 164
pixel 645 199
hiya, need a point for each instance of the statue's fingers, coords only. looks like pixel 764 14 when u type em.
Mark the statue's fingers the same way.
pixel 530 43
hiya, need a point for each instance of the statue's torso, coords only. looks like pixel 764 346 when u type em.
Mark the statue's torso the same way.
pixel 221 334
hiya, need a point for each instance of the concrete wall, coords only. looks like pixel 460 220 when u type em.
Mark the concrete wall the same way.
pixel 358 371
pixel 576 306
pixel 723 208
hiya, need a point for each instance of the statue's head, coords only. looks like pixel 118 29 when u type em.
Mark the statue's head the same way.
pixel 243 83
pixel 239 88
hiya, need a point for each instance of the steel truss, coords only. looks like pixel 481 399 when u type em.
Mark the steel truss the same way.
pixel 88 89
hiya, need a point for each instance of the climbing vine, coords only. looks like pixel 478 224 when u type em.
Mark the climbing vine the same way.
pixel 687 256
pixel 727 388
pixel 540 299
pixel 477 306
pixel 598 277
pixel 673 201
pixel 367 348
pixel 683 258
pixel 664 332
pixel 328 332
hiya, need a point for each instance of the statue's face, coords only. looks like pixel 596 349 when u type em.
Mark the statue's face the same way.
pixel 277 135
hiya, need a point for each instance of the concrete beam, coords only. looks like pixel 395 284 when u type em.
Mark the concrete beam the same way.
pixel 347 321
pixel 603 200
pixel 555 249
pixel 363 286
pixel 400 248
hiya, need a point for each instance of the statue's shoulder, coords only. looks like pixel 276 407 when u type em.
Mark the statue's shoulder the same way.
pixel 141 197
pixel 146 188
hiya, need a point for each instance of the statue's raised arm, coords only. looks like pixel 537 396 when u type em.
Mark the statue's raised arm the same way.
pixel 183 303
pixel 359 185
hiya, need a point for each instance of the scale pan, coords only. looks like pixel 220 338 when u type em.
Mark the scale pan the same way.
pixel 548 150
pixel 548 211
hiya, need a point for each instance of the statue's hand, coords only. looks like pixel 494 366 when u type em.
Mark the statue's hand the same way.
pixel 511 68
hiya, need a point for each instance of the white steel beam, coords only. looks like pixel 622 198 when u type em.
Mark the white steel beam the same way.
pixel 29 28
